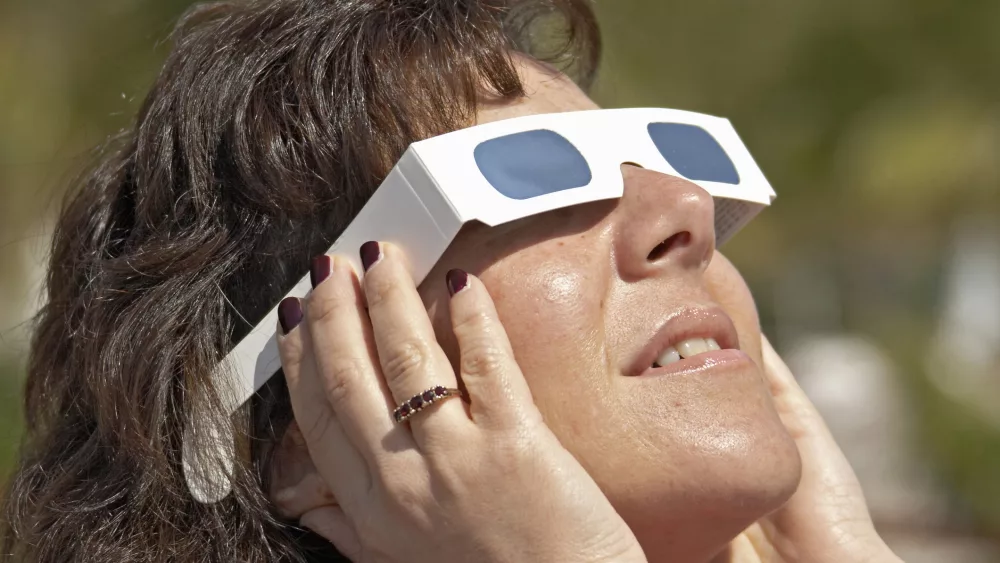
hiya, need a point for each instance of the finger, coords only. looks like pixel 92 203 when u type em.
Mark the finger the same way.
pixel 346 361
pixel 497 389
pixel 333 454
pixel 332 524
pixel 798 412
pixel 411 359
pixel 821 456
pixel 828 483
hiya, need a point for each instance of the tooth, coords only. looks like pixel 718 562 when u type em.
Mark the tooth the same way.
pixel 692 347
pixel 669 356
pixel 712 344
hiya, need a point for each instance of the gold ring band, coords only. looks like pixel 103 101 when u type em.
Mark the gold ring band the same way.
pixel 422 400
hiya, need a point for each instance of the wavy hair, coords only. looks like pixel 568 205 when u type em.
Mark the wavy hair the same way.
pixel 267 129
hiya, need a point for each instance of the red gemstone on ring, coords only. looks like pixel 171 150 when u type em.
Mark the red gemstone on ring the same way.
pixel 416 402
pixel 403 411
pixel 440 391
pixel 428 396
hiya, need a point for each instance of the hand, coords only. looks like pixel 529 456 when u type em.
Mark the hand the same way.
pixel 826 519
pixel 483 481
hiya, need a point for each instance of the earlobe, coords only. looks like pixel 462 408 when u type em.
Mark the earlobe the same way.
pixel 296 486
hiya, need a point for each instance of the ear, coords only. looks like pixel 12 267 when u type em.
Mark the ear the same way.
pixel 296 487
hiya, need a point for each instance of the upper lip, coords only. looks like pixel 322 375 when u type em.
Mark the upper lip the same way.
pixel 681 325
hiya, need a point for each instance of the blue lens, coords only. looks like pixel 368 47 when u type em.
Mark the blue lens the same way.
pixel 532 163
pixel 693 152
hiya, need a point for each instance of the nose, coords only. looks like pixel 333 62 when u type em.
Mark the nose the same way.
pixel 663 223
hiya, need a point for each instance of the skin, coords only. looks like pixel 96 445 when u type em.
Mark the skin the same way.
pixel 577 295
pixel 689 461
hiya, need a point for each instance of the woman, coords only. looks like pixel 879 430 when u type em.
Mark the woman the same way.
pixel 268 127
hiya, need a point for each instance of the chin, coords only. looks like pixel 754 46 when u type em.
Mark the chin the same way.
pixel 723 487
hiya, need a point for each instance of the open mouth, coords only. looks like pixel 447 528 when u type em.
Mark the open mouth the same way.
pixel 690 338
pixel 686 349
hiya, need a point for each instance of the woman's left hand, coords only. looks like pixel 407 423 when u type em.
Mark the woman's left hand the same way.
pixel 826 520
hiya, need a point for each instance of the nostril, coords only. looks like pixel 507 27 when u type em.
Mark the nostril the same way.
pixel 682 238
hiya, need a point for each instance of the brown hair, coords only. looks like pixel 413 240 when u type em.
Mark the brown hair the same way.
pixel 267 129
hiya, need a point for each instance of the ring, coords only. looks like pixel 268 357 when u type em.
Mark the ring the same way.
pixel 420 401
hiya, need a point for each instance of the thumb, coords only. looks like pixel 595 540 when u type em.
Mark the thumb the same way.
pixel 829 498
pixel 799 415
pixel 797 412
pixel 826 473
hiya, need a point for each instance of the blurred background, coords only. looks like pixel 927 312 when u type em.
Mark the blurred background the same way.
pixel 877 271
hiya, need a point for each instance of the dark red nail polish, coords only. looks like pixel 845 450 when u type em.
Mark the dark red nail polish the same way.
pixel 289 314
pixel 371 252
pixel 320 269
pixel 457 280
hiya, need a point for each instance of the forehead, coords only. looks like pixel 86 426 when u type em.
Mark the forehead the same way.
pixel 547 89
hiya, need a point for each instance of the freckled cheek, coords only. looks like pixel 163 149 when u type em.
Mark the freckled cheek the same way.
pixel 551 315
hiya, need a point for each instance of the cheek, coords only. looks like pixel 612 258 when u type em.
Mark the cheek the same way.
pixel 726 286
pixel 551 313
pixel 552 310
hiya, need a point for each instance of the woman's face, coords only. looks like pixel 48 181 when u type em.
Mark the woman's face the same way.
pixel 689 454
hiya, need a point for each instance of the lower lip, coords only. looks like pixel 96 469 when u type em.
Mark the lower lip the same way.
pixel 708 361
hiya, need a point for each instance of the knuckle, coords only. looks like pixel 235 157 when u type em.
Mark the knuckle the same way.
pixel 482 356
pixel 405 491
pixel 323 308
pixel 515 450
pixel 291 353
pixel 380 289
pixel 408 501
pixel 406 359
pixel 453 460
pixel 339 377
pixel 472 323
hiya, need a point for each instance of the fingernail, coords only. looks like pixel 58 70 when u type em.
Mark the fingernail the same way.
pixel 320 269
pixel 457 280
pixel 289 314
pixel 370 253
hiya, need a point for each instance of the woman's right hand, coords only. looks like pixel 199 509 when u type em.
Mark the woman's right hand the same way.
pixel 458 482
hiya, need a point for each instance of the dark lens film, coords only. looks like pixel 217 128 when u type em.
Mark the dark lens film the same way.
pixel 532 163
pixel 693 152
